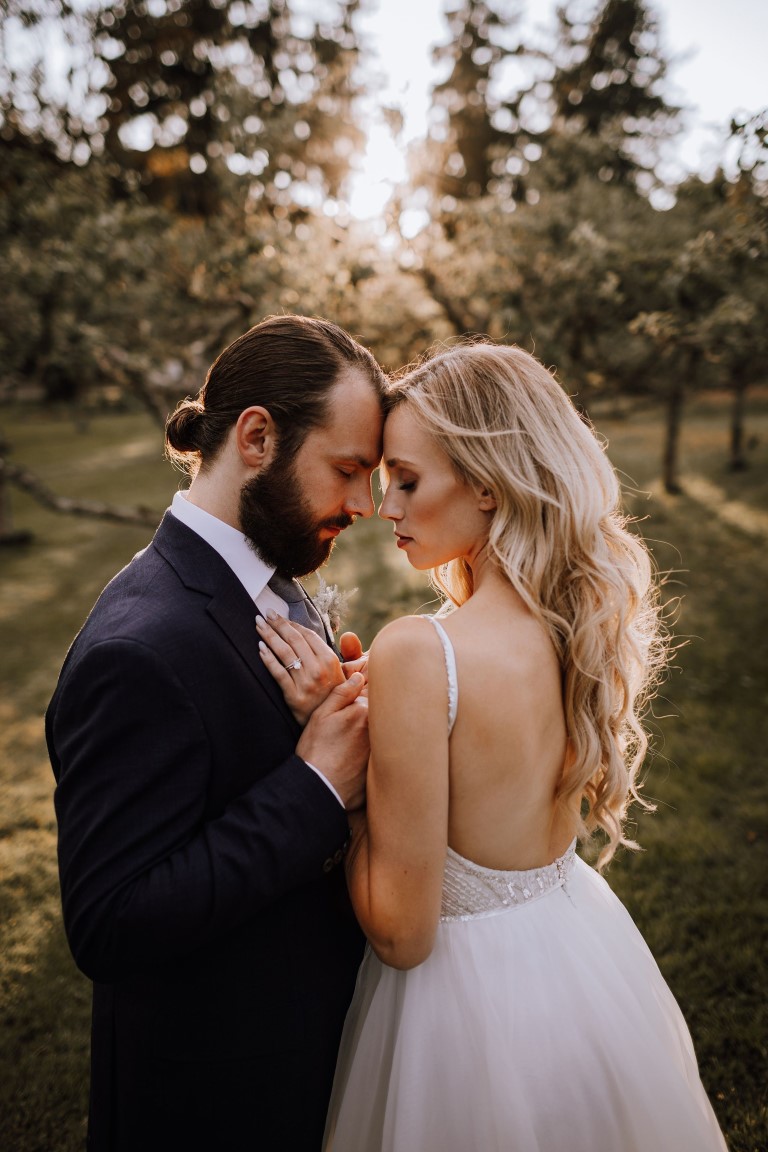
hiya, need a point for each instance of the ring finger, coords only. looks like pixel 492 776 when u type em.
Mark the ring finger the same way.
pixel 285 641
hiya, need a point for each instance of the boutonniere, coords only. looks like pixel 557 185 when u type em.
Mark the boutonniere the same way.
pixel 331 603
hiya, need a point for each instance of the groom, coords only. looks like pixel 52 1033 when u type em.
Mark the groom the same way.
pixel 200 828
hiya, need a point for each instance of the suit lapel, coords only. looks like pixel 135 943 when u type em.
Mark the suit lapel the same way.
pixel 201 569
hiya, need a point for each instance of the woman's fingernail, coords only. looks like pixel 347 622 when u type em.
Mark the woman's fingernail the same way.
pixel 262 646
pixel 271 615
pixel 260 622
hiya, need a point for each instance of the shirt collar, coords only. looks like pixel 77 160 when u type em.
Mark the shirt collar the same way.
pixel 229 542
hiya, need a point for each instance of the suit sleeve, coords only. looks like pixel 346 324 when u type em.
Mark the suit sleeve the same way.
pixel 144 876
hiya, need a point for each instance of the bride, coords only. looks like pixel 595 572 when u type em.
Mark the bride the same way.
pixel 507 1003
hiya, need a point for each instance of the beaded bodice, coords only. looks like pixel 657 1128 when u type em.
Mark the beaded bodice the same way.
pixel 469 890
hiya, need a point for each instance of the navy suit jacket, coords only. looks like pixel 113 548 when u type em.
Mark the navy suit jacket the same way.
pixel 198 861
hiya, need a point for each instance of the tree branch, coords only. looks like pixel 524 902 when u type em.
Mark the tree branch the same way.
pixel 463 323
pixel 97 509
pixel 117 366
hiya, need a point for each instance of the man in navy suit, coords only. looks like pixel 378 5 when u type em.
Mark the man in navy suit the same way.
pixel 201 822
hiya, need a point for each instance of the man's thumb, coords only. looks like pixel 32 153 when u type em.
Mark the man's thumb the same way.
pixel 350 646
pixel 348 691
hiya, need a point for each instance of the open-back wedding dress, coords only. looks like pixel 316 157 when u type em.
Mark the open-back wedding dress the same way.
pixel 539 1023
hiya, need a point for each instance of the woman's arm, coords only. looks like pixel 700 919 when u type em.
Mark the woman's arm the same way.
pixel 397 856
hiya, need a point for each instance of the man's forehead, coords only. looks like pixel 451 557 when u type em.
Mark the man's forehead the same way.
pixel 355 420
pixel 353 385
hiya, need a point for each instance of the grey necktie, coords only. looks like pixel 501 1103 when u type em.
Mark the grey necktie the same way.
pixel 300 608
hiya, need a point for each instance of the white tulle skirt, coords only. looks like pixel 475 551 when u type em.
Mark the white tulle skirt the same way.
pixel 545 1027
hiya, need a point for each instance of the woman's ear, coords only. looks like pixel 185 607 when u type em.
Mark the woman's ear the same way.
pixel 486 501
pixel 256 438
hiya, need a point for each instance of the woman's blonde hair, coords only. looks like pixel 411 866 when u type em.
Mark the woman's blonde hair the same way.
pixel 559 536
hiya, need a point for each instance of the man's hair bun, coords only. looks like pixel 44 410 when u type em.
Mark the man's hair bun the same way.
pixel 184 427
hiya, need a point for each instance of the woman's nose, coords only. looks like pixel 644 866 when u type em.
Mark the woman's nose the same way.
pixel 388 509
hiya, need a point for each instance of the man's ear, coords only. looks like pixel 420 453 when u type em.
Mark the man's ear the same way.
pixel 256 438
pixel 486 501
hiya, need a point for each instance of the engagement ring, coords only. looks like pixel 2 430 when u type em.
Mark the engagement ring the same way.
pixel 293 664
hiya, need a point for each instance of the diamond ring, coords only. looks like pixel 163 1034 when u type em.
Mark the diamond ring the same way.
pixel 294 664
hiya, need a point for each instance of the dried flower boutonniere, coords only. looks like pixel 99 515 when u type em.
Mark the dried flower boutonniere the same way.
pixel 331 603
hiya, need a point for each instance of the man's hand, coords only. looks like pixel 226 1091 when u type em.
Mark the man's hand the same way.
pixel 335 741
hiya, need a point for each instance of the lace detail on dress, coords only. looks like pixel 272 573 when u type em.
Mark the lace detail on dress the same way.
pixel 450 667
pixel 469 890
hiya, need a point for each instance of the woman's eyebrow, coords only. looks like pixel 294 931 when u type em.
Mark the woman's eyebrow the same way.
pixel 395 463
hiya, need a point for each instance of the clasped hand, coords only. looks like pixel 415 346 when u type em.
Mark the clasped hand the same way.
pixel 304 666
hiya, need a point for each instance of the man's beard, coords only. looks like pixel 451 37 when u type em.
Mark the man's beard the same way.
pixel 275 517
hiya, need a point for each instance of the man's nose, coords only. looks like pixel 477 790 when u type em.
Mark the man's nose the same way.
pixel 361 502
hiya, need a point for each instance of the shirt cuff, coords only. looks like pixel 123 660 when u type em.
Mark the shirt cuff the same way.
pixel 326 781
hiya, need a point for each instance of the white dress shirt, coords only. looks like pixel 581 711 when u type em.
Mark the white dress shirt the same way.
pixel 252 572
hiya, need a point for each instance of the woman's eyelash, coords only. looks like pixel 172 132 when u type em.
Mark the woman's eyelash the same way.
pixel 407 485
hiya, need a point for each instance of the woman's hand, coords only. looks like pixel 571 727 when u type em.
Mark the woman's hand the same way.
pixel 300 662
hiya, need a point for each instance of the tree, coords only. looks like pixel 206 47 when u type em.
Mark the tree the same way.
pixel 607 84
pixel 195 89
pixel 750 134
pixel 714 288
pixel 180 95
pixel 52 112
pixel 474 141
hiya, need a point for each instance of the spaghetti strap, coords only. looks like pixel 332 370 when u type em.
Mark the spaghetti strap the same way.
pixel 450 667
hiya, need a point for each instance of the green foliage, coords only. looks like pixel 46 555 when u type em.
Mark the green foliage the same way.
pixel 180 98
pixel 224 88
pixel 541 230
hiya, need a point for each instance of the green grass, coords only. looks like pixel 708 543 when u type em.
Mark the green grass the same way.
pixel 698 889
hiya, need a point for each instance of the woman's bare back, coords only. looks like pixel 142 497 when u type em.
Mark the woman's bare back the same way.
pixel 509 741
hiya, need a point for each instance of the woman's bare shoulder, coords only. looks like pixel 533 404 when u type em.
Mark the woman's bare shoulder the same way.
pixel 408 637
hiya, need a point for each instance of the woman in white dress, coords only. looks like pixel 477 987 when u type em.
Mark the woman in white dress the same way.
pixel 507 1002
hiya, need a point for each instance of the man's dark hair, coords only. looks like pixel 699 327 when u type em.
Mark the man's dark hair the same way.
pixel 286 364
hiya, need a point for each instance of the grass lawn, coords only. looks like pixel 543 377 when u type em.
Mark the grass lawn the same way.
pixel 698 891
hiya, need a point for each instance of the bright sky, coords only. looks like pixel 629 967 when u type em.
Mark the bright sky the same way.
pixel 717 51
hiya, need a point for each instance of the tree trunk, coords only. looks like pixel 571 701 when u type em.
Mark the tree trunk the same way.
pixel 737 461
pixel 7 534
pixel 672 434
pixel 6 520
pixel 5 501
pixel 672 439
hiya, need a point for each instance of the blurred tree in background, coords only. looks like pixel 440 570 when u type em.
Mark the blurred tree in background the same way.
pixel 173 170
pixel 474 142
pixel 198 89
pixel 608 83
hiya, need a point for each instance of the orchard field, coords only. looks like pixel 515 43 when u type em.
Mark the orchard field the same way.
pixel 697 891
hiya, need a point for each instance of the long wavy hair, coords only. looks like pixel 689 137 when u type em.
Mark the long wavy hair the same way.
pixel 559 536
